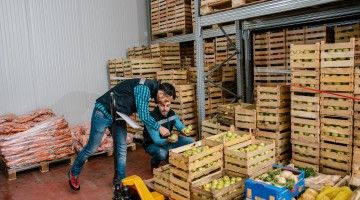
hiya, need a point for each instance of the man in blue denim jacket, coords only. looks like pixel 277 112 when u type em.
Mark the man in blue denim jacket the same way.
pixel 131 96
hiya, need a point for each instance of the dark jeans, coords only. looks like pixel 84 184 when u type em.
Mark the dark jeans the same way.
pixel 99 123
pixel 161 153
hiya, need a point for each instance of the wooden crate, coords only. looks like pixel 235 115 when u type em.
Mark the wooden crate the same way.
pixel 293 36
pixel 277 48
pixel 192 71
pixel 226 193
pixel 260 49
pixel 226 114
pixel 155 16
pixel 356 161
pixel 335 158
pixel 305 105
pixel 306 154
pixel 162 180
pixel 317 34
pixel 183 168
pixel 273 96
pixel 307 130
pixel 238 3
pixel 179 17
pixel 343 33
pixel 213 98
pixel 210 6
pixel 144 67
pixel 282 142
pixel 221 137
pixel 331 105
pixel 337 66
pixel 244 162
pixel 178 77
pixel 357 132
pixel 169 54
pixel 336 129
pixel 273 118
pixel 211 127
pixel 187 54
pixel 228 74
pixel 357 107
pixel 245 117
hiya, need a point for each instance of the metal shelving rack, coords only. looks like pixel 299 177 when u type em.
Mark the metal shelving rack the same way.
pixel 264 15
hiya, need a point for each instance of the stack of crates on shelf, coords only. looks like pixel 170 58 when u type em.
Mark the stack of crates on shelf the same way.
pixel 117 68
pixel 273 118
pixel 356 149
pixel 343 33
pixel 211 127
pixel 187 54
pixel 223 51
pixel 190 163
pixel 112 72
pixel 168 53
pixel 178 77
pixel 179 17
pixel 139 52
pixel 209 6
pixel 184 105
pixel 293 36
pixel 143 67
pixel 317 34
pixel 250 158
pixel 260 58
pixel 245 117
pixel 336 111
pixel 305 105
pixel 155 17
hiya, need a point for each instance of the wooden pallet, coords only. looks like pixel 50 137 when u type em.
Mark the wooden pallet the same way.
pixel 317 34
pixel 180 18
pixel 307 130
pixel 168 53
pixel 331 105
pixel 244 162
pixel 226 193
pixel 210 6
pixel 44 167
pixel 178 77
pixel 245 117
pixel 343 33
pixel 144 67
pixel 356 161
pixel 273 96
pixel 277 119
pixel 335 158
pixel 305 105
pixel 336 129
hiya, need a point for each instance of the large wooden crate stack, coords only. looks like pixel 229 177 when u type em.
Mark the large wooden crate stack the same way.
pixel 336 112
pixel 356 150
pixel 139 52
pixel 223 52
pixel 245 117
pixel 317 34
pixel 343 33
pixel 185 106
pixel 226 114
pixel 190 163
pixel 211 127
pixel 143 67
pixel 213 99
pixel 170 17
pixel 117 68
pixel 273 118
pixel 293 36
pixel 168 53
pixel 305 105
pixel 177 77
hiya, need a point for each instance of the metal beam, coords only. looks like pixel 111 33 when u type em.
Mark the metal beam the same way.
pixel 239 62
pixel 259 10
pixel 248 67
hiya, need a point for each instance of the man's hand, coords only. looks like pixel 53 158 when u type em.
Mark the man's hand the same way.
pixel 164 131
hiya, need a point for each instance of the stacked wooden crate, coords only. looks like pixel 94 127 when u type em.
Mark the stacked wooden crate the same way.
pixel 226 114
pixel 139 52
pixel 177 77
pixel 210 6
pixel 293 36
pixel 273 118
pixel 117 68
pixel 190 163
pixel 223 51
pixel 211 127
pixel 170 17
pixel 245 117
pixel 336 112
pixel 213 99
pixel 143 67
pixel 187 55
pixel 343 33
pixel 162 180
pixel 185 106
pixel 168 53
pixel 305 105
pixel 317 34
pixel 356 150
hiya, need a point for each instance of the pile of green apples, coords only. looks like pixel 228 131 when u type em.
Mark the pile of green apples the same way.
pixel 336 134
pixel 221 183
pixel 251 147
pixel 229 136
pixel 204 167
pixel 195 150
pixel 187 130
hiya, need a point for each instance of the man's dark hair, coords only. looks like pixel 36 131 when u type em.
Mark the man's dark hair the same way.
pixel 169 89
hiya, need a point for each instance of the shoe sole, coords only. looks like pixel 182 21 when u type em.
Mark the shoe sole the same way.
pixel 71 186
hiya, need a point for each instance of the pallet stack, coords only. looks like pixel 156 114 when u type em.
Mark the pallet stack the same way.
pixel 117 68
pixel 223 51
pixel 168 53
pixel 343 33
pixel 273 118
pixel 305 105
pixel 170 18
pixel 190 163
pixel 336 112
pixel 356 149
pixel 210 6
pixel 177 77
pixel 187 54
pixel 143 67
pixel 139 52
pixel 245 117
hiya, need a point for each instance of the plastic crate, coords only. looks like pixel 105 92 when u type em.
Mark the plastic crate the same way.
pixel 258 190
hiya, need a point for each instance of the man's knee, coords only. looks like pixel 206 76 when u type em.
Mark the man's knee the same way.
pixel 162 154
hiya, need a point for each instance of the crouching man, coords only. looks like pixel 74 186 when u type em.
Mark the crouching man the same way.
pixel 155 144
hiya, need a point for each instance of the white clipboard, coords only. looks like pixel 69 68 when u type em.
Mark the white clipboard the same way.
pixel 128 120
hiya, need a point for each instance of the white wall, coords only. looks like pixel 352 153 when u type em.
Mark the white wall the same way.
pixel 53 53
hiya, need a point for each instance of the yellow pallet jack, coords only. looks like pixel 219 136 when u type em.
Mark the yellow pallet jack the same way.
pixel 132 187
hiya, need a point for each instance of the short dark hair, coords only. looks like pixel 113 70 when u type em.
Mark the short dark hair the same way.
pixel 169 89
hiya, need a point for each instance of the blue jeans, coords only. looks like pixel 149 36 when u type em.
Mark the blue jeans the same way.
pixel 161 153
pixel 99 123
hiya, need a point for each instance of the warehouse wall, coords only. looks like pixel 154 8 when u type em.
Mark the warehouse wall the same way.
pixel 53 53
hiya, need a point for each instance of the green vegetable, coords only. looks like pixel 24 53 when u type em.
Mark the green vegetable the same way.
pixel 309 172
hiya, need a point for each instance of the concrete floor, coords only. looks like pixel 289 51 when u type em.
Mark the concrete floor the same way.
pixel 95 179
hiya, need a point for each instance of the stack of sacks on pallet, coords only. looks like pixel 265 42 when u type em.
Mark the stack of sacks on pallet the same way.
pixel 34 138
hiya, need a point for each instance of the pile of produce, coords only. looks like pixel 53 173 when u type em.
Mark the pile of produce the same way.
pixel 229 136
pixel 279 178
pixel 221 183
pixel 197 150
pixel 328 193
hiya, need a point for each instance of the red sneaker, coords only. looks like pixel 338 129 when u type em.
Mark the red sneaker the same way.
pixel 74 182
